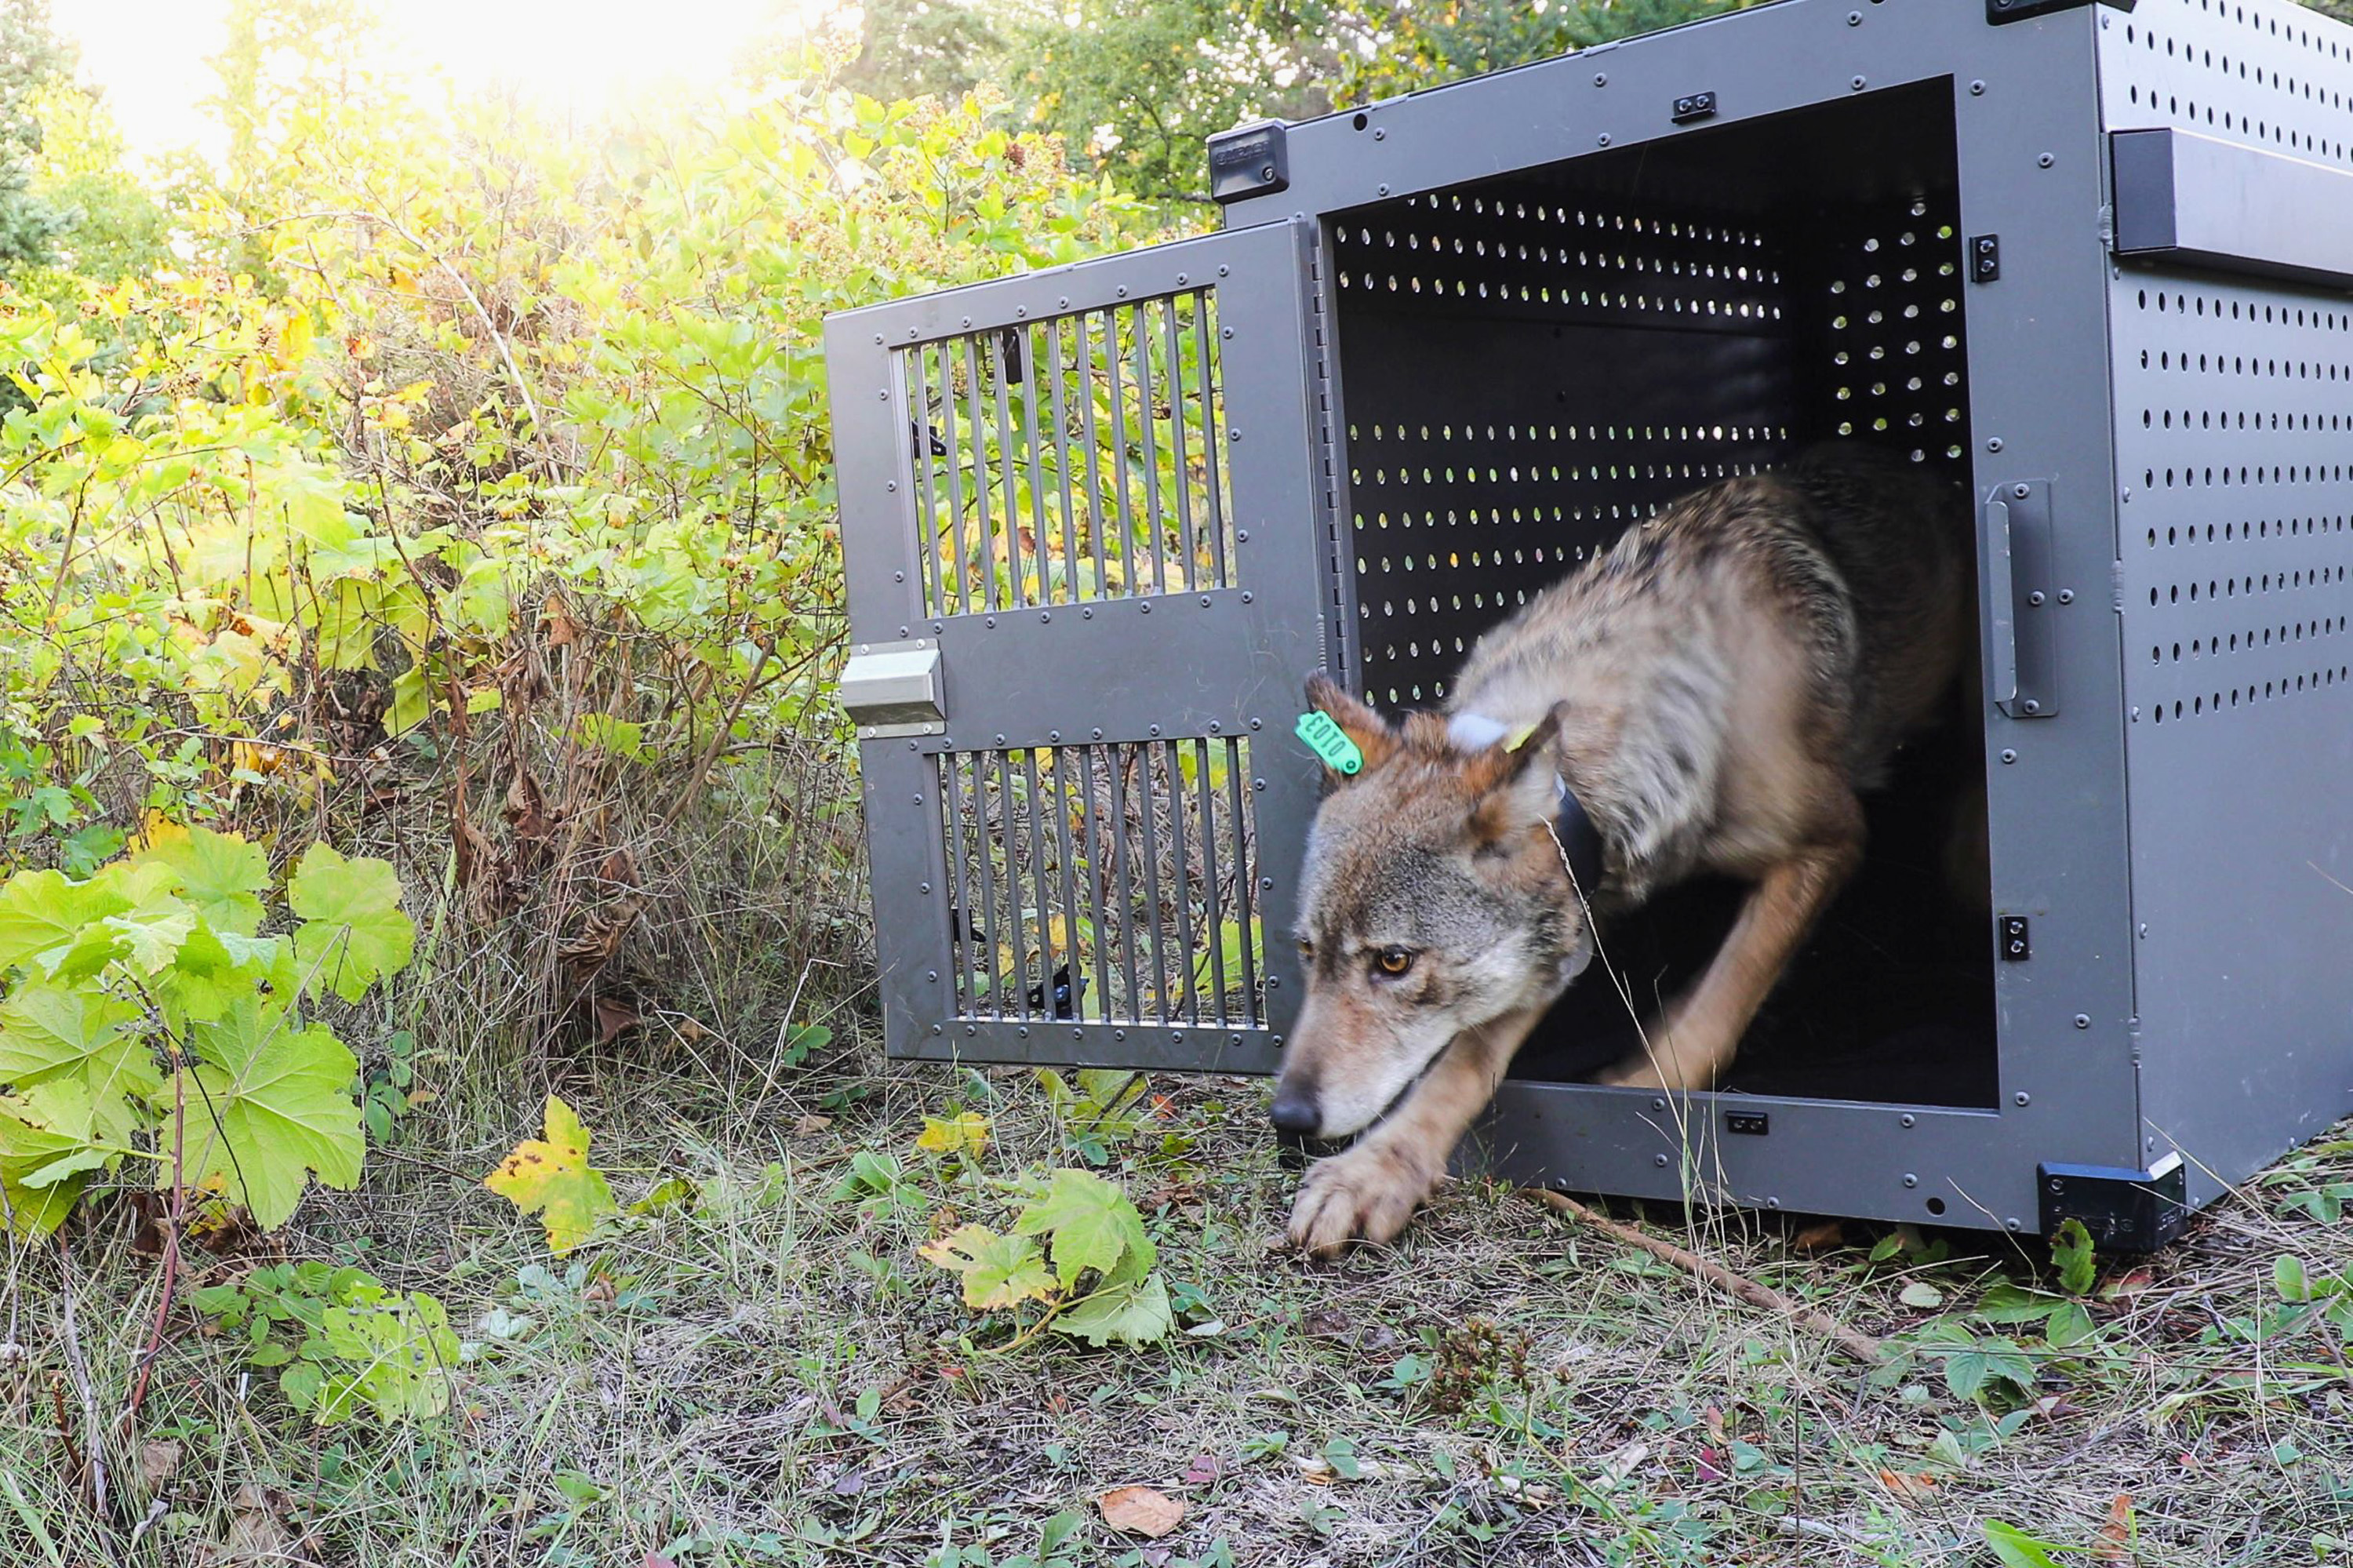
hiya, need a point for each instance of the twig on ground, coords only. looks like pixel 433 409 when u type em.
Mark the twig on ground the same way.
pixel 1856 1343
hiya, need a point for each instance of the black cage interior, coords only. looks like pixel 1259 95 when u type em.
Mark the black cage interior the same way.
pixel 1529 363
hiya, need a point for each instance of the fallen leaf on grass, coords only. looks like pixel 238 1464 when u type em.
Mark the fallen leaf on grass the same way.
pixel 812 1124
pixel 1921 1293
pixel 552 1177
pixel 1910 1488
pixel 1202 1470
pixel 2124 1286
pixel 656 1560
pixel 1140 1510
pixel 1625 1461
pixel 2116 1542
pixel 965 1133
pixel 157 1460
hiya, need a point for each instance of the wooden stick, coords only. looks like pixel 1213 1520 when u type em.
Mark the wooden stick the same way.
pixel 1856 1343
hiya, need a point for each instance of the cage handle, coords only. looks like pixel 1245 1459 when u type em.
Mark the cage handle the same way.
pixel 2000 594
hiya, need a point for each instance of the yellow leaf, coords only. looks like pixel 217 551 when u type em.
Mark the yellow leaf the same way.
pixel 552 1177
pixel 967 1133
pixel 294 341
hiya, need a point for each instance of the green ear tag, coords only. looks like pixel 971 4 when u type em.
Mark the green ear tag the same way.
pixel 1327 740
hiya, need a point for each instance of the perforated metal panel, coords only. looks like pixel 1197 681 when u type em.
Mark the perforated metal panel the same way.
pixel 2260 72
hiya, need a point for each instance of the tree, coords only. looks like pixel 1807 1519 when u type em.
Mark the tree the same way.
pixel 32 56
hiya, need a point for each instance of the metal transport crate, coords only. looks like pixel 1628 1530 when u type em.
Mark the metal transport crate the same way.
pixel 1101 522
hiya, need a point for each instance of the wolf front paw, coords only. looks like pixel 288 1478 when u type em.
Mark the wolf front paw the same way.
pixel 1364 1194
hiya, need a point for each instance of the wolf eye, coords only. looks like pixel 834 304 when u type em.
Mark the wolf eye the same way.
pixel 1393 961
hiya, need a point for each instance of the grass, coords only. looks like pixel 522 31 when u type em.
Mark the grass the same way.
pixel 770 1373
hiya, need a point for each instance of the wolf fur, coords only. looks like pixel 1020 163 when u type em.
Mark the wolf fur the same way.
pixel 1714 690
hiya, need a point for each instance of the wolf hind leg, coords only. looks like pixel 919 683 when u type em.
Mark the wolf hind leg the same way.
pixel 1371 1189
pixel 1700 1035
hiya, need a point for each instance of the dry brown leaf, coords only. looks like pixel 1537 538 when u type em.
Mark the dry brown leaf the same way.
pixel 1911 1488
pixel 613 1019
pixel 562 630
pixel 157 1460
pixel 811 1123
pixel 2114 1543
pixel 1826 1236
pixel 1140 1510
pixel 527 810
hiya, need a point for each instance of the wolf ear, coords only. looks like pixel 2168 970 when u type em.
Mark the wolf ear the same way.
pixel 1369 731
pixel 1514 780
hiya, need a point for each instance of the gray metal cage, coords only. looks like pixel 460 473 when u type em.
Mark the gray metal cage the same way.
pixel 1101 520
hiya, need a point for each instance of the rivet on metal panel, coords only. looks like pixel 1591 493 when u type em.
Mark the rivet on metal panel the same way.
pixel 1854 18
pixel 1856 84
pixel 1910 1180
pixel 2020 491
pixel 1242 536
pixel 1178 1038
pixel 2045 161
pixel 1908 1119
pixel 1657 1104
pixel 2144 930
pixel 877 338
pixel 969 1031
pixel 1000 740
pixel 1205 601
pixel 919 800
pixel 1053 738
pixel 1659 1160
pixel 884 393
pixel 1223 270
pixel 1063 304
pixel 1078 1035
pixel 1276 1040
pixel 2030 705
pixel 1182 279
pixel 1045 618
pixel 1022 1032
pixel 1266 882
pixel 1121 291
pixel 1258 783
pixel 2012 1223
pixel 2008 755
pixel 1772 1202
pixel 2034 598
pixel 1096 733
pixel 930 974
pixel 1256 723
pixel 1602 140
pixel 1086 615
pixel 898 577
pixel 2023 1098
pixel 1246 596
pixel 990 622
pixel 1993 443
pixel 1143 607
pixel 1274 980
pixel 1118 1034
pixel 1233 1039
pixel 1383 191
pixel 1226 333
pixel 2066 595
pixel 1020 310
pixel 911 332
pixel 2082 1020
pixel 1977 90
pixel 1379 134
pixel 967 321
pixel 1213 726
pixel 924 887
pixel 1234 433
pixel 1600 79
pixel 1155 729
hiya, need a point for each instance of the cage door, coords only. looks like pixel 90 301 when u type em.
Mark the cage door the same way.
pixel 1081 511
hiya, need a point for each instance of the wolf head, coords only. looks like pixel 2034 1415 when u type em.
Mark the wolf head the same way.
pixel 1434 900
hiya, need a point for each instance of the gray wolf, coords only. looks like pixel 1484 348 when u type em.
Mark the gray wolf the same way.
pixel 1711 693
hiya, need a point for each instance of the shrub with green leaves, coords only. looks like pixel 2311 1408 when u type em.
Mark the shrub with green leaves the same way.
pixel 341 1341
pixel 151 1025
pixel 1093 1278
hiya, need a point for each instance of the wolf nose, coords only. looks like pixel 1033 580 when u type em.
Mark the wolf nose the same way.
pixel 1296 1114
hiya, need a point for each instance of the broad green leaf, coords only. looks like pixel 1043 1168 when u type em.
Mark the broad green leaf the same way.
pixel 212 970
pixel 353 929
pixel 1091 1225
pixel 1132 1311
pixel 44 911
pixel 2070 1326
pixel 49 1147
pixel 405 1350
pixel 996 1270
pixel 269 1103
pixel 2010 1304
pixel 2013 1548
pixel 49 1032
pixel 2070 1250
pixel 300 1383
pixel 966 1133
pixel 552 1177
pixel 220 875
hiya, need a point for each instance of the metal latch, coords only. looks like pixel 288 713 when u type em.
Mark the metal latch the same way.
pixel 2128 1210
pixel 893 688
pixel 2022 599
pixel 1251 160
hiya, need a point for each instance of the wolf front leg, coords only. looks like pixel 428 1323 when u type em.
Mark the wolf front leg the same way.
pixel 1370 1190
pixel 1700 1036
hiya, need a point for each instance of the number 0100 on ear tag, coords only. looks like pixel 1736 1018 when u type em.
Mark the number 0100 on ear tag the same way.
pixel 1327 740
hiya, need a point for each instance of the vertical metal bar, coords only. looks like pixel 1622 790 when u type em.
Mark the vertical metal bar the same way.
pixel 1245 894
pixel 991 846
pixel 1180 480
pixel 1150 456
pixel 1095 880
pixel 1093 437
pixel 1201 749
pixel 919 432
pixel 1125 865
pixel 1119 452
pixel 986 534
pixel 1032 406
pixel 1061 757
pixel 1045 897
pixel 1073 589
pixel 1213 445
pixel 1009 469
pixel 1149 816
pixel 1014 818
pixel 1181 874
pixel 960 938
pixel 955 482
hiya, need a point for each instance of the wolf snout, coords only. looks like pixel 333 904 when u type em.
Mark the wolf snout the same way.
pixel 1295 1113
